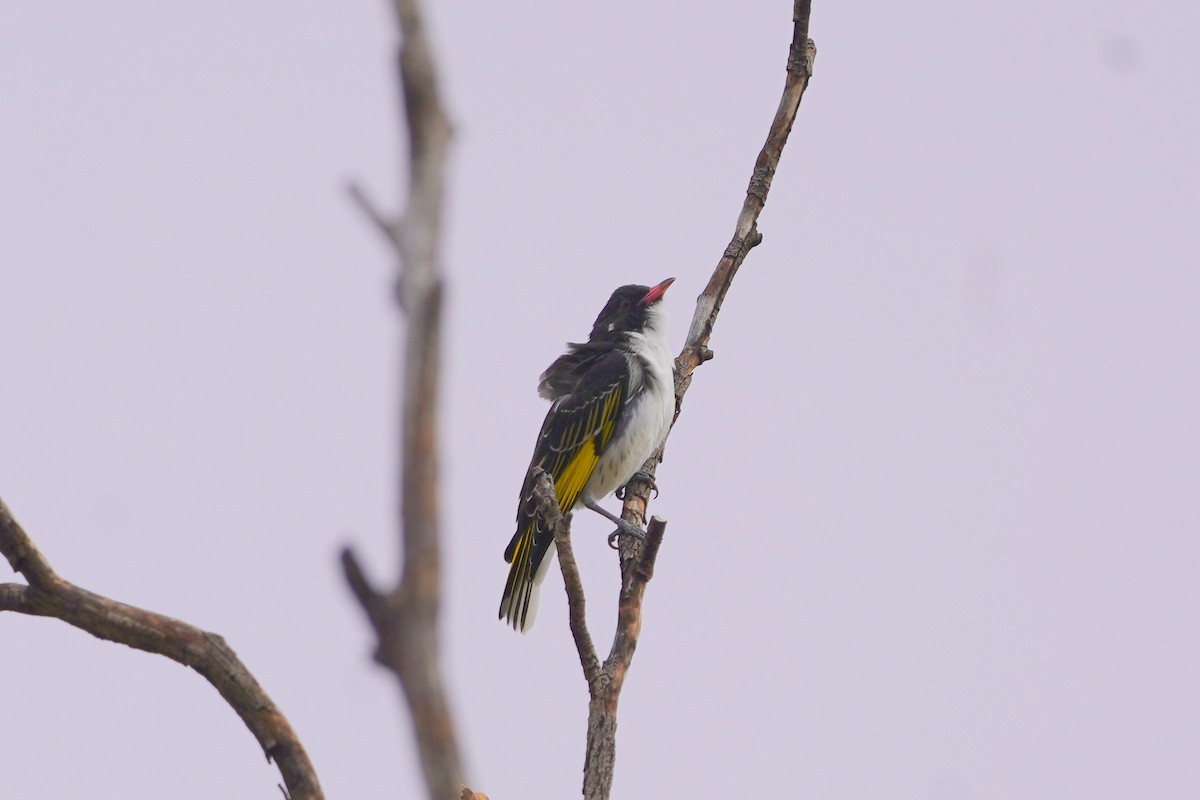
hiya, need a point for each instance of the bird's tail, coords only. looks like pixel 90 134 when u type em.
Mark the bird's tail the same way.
pixel 530 556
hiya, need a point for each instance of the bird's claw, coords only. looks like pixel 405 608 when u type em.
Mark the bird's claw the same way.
pixel 626 529
pixel 641 475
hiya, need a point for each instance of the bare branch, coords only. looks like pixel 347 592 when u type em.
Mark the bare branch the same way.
pixel 637 558
pixel 605 691
pixel 405 618
pixel 550 513
pixel 15 597
pixel 801 55
pixel 629 613
pixel 49 595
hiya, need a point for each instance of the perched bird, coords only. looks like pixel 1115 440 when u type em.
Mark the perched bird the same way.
pixel 613 401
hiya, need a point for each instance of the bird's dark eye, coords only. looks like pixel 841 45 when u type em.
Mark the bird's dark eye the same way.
pixel 624 305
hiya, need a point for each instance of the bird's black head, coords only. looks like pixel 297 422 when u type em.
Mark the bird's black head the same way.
pixel 627 309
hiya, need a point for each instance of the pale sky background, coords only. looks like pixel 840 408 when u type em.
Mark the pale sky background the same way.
pixel 933 509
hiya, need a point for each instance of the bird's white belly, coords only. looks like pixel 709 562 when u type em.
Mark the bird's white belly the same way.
pixel 649 420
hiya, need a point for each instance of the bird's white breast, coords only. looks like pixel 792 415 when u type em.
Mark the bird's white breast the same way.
pixel 648 418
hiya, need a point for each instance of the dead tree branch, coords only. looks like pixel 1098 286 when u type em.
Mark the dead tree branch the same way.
pixel 604 680
pixel 801 55
pixel 48 595
pixel 605 690
pixel 637 558
pixel 551 514
pixel 405 618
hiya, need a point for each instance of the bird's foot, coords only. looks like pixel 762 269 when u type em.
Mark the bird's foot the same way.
pixel 626 529
pixel 623 527
pixel 640 475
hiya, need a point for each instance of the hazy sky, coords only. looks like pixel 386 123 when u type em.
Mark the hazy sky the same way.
pixel 933 509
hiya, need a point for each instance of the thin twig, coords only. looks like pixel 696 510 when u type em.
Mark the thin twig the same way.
pixel 49 595
pixel 405 618
pixel 801 54
pixel 371 211
pixel 552 516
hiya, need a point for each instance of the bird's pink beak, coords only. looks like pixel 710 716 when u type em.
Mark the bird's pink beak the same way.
pixel 656 292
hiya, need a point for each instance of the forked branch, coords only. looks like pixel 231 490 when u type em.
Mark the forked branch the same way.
pixel 405 617
pixel 48 595
pixel 604 680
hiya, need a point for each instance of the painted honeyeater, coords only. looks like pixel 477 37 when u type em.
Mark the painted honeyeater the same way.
pixel 612 404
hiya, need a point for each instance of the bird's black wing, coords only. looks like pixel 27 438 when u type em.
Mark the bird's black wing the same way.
pixel 568 370
pixel 576 430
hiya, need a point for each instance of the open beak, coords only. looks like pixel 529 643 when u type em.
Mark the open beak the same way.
pixel 656 292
